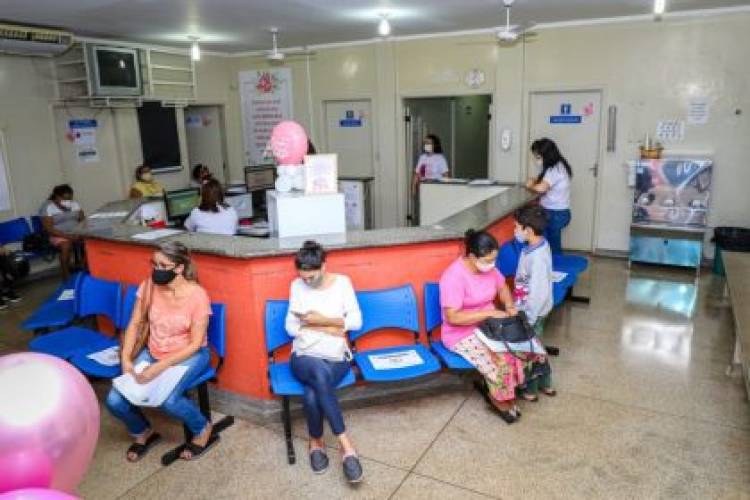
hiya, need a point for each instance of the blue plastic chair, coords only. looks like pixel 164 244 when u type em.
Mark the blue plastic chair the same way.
pixel 55 313
pixel 283 382
pixel 391 308
pixel 433 319
pixel 571 264
pixel 14 230
pixel 95 297
pixel 217 341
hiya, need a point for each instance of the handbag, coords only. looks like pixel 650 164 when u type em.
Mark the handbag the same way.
pixel 16 265
pixel 513 329
pixel 143 327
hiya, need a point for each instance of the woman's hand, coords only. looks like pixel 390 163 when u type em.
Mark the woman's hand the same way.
pixel 313 318
pixel 530 183
pixel 497 314
pixel 150 373
pixel 511 310
pixel 330 330
pixel 127 366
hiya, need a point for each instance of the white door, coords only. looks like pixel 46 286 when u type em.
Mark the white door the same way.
pixel 205 142
pixel 349 134
pixel 572 120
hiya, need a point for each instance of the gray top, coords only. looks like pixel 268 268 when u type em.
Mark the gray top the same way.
pixel 480 216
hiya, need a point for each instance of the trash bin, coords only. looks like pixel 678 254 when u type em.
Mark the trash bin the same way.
pixel 732 239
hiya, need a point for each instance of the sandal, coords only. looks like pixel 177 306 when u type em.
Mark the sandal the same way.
pixel 508 416
pixel 549 392
pixel 197 450
pixel 527 396
pixel 140 450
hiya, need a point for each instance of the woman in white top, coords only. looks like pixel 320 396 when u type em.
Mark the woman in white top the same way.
pixel 554 184
pixel 431 165
pixel 60 215
pixel 322 308
pixel 213 215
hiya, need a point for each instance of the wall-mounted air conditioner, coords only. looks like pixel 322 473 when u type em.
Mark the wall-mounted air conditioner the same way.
pixel 29 41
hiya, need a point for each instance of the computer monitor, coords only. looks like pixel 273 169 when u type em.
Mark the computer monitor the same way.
pixel 260 178
pixel 180 203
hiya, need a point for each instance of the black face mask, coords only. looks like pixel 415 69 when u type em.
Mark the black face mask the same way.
pixel 163 276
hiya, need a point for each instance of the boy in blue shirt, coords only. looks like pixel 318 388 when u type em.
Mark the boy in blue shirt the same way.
pixel 532 291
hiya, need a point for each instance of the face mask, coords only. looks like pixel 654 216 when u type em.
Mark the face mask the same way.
pixel 428 148
pixel 163 276
pixel 315 282
pixel 483 267
pixel 520 236
pixel 147 177
pixel 66 203
pixel 539 162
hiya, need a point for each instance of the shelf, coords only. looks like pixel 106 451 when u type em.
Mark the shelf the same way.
pixel 171 68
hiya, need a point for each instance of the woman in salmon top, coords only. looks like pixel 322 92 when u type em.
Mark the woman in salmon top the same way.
pixel 178 322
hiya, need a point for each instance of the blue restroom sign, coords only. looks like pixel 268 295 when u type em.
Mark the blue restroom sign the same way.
pixel 350 120
pixel 566 116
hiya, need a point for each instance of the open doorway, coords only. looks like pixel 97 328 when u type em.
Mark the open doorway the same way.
pixel 206 143
pixel 463 125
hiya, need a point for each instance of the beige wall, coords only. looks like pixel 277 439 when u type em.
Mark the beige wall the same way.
pixel 648 70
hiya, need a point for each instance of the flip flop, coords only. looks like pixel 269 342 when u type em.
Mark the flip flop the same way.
pixel 196 451
pixel 140 450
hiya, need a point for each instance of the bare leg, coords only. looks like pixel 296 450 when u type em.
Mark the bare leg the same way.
pixel 347 447
pixel 65 249
pixel 201 440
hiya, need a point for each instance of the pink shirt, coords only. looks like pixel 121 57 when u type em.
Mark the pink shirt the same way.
pixel 170 318
pixel 464 290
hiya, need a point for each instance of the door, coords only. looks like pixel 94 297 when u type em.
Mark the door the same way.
pixel 204 130
pixel 349 134
pixel 573 121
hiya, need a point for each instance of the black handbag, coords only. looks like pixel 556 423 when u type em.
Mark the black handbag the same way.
pixel 15 265
pixel 513 329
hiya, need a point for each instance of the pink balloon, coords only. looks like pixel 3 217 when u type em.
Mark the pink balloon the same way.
pixel 49 423
pixel 36 494
pixel 289 143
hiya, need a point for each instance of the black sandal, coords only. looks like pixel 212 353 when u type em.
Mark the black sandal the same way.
pixel 140 450
pixel 508 416
pixel 197 450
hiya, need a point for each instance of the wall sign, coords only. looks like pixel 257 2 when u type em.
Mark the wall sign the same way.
pixel 266 99
pixel 566 116
pixel 350 120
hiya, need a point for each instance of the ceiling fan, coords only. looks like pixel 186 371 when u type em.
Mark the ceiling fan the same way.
pixel 511 34
pixel 276 55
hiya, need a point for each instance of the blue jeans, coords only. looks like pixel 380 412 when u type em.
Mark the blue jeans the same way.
pixel 177 405
pixel 557 220
pixel 320 378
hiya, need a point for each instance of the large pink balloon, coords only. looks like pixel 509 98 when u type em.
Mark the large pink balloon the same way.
pixel 36 494
pixel 289 143
pixel 49 423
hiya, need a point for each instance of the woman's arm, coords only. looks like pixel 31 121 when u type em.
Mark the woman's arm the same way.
pixel 506 299
pixel 198 332
pixel 538 187
pixel 458 317
pixel 48 223
pixel 129 337
pixel 135 193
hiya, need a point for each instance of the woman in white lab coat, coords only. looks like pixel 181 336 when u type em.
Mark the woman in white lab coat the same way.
pixel 431 165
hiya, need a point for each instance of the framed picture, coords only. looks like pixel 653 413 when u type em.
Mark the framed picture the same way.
pixel 321 174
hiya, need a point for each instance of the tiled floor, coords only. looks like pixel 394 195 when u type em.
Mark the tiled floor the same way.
pixel 645 410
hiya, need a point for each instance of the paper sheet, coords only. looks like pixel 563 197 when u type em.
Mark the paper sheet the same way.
pixel 69 294
pixel 395 360
pixel 153 393
pixel 155 235
pixel 557 276
pixel 107 357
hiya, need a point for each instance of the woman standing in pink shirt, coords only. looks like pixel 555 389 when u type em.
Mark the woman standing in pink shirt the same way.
pixel 176 309
pixel 470 289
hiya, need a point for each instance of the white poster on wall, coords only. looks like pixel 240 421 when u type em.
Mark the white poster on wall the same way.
pixel 266 99
pixel 699 110
pixel 5 200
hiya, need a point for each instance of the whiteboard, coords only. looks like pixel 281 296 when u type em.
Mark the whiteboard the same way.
pixel 5 196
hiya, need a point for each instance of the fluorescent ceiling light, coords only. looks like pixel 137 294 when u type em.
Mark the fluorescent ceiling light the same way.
pixel 195 50
pixel 659 7
pixel 384 27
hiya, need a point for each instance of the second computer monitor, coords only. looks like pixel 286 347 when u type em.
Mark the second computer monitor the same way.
pixel 180 203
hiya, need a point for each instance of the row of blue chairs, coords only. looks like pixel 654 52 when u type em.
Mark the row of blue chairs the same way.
pixel 16 230
pixel 94 297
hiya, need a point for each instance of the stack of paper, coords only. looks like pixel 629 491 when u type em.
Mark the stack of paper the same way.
pixel 153 393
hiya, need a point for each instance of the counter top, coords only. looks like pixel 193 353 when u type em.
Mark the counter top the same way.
pixel 479 216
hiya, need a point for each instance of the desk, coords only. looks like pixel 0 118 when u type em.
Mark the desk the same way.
pixel 244 273
pixel 737 266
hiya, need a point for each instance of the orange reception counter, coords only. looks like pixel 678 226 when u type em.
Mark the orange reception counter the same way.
pixel 243 273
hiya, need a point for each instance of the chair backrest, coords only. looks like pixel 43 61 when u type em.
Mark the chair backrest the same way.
pixel 217 329
pixel 36 225
pixel 275 325
pixel 128 303
pixel 508 257
pixel 100 297
pixel 388 308
pixel 433 315
pixel 14 230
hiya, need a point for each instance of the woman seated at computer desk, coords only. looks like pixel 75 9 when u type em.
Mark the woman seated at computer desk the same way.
pixel 213 215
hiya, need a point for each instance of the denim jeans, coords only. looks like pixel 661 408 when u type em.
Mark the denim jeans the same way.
pixel 320 378
pixel 177 405
pixel 557 220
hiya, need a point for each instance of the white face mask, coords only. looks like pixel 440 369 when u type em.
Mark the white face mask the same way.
pixel 147 177
pixel 66 203
pixel 428 148
pixel 539 162
pixel 483 267
pixel 520 236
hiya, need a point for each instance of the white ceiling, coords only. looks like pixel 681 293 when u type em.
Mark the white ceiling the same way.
pixel 241 25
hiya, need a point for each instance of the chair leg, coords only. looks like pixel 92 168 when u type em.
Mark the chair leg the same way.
pixel 579 299
pixel 286 418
